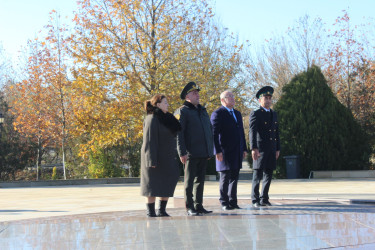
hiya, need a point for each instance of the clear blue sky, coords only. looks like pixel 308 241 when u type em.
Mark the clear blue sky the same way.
pixel 257 20
pixel 253 20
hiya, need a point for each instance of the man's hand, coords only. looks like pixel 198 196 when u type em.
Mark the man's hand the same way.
pixel 219 156
pixel 153 166
pixel 255 154
pixel 277 154
pixel 244 154
pixel 183 159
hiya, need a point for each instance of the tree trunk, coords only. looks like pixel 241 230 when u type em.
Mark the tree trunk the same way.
pixel 37 162
pixel 63 157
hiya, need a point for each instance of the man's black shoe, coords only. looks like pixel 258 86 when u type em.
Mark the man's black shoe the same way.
pixel 202 210
pixel 192 212
pixel 256 204
pixel 226 208
pixel 265 203
pixel 235 206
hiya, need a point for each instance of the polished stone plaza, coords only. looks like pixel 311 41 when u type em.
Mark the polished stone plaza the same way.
pixel 326 214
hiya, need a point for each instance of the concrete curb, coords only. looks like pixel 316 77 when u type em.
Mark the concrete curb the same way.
pixel 314 198
pixel 120 180
pixel 350 201
pixel 357 201
pixel 47 183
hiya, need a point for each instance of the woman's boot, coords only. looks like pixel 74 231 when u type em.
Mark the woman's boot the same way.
pixel 151 210
pixel 162 207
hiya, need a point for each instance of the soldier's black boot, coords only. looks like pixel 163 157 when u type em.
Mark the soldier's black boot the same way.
pixel 151 210
pixel 162 207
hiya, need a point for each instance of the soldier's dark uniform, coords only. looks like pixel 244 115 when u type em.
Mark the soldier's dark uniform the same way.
pixel 196 141
pixel 264 136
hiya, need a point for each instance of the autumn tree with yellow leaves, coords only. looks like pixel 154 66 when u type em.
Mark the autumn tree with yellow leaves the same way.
pixel 33 115
pixel 41 101
pixel 126 51
pixel 57 80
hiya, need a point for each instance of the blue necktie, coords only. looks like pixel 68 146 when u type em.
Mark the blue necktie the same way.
pixel 232 113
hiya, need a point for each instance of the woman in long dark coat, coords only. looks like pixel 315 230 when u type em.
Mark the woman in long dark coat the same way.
pixel 159 167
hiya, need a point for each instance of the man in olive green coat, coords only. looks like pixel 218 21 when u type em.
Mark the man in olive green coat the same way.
pixel 194 146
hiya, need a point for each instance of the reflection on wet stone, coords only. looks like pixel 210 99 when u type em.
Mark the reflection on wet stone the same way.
pixel 289 224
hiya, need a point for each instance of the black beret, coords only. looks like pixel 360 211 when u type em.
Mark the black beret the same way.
pixel 267 90
pixel 188 88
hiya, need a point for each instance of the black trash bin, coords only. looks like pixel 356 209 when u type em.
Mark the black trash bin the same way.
pixel 292 166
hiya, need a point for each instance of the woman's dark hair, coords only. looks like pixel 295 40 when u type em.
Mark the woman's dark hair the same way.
pixel 150 105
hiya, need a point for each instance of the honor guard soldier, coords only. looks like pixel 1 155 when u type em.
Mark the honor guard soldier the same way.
pixel 264 145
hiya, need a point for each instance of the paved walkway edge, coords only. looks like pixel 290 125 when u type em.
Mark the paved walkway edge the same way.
pixel 44 183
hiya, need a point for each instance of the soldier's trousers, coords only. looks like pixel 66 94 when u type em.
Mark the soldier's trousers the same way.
pixel 266 176
pixel 195 172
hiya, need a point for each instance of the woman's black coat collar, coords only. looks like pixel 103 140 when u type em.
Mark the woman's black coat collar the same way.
pixel 168 120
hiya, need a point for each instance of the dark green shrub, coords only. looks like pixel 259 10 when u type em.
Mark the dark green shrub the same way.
pixel 318 128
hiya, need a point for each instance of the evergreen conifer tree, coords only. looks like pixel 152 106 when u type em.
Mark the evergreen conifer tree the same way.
pixel 315 126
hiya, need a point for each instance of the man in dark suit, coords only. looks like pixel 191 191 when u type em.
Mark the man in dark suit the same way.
pixel 264 145
pixel 229 147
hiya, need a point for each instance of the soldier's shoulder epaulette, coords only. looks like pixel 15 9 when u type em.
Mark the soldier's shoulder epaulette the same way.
pixel 259 110
pixel 201 106
pixel 180 109
pixel 178 112
pixel 256 111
